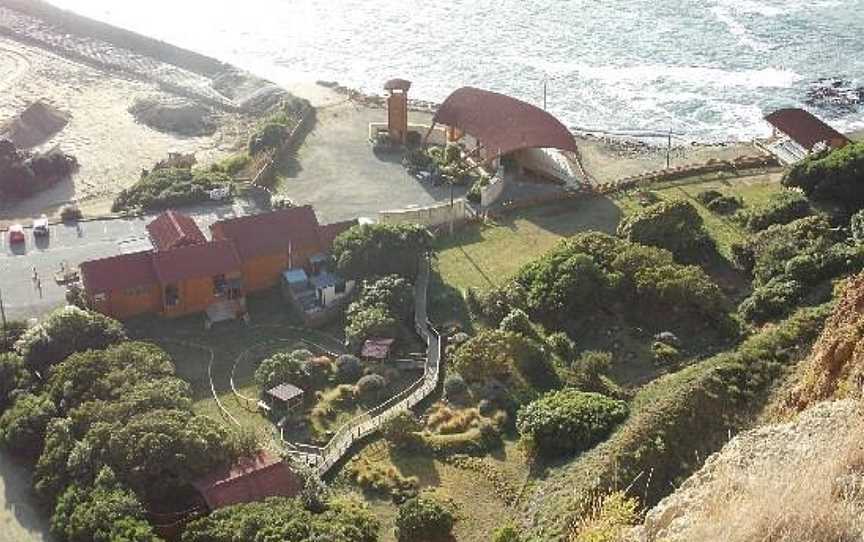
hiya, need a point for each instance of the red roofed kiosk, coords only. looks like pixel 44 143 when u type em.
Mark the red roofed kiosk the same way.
pixel 797 133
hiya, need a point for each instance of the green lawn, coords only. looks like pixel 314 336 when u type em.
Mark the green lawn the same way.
pixel 190 345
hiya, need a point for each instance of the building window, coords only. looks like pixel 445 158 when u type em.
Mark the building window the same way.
pixel 220 285
pixel 340 287
pixel 172 295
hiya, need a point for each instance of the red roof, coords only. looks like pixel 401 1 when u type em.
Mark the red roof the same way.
pixel 250 479
pixel 503 124
pixel 806 129
pixel 172 229
pixel 194 261
pixel 397 84
pixel 329 232
pixel 271 233
pixel 118 272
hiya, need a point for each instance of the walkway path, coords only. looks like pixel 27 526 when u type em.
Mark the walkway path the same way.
pixel 323 459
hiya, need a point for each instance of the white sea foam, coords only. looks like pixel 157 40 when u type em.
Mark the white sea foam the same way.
pixel 710 68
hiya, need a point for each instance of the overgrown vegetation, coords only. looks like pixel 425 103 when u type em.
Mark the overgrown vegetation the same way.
pixel 374 250
pixel 22 173
pixel 674 225
pixel 273 131
pixel 424 519
pixel 170 187
pixel 383 309
pixel 834 177
pixel 780 208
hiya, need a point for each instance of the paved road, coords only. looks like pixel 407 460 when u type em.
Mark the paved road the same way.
pixel 72 244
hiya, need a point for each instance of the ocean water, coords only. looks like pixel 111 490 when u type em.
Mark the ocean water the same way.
pixel 706 69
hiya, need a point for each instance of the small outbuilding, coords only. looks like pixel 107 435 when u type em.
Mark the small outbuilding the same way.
pixel 377 348
pixel 248 480
pixel 797 133
pixel 284 398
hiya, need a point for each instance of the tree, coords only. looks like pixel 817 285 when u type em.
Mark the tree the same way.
pixel 562 282
pixel 10 334
pixel 780 208
pixel 64 332
pixel 284 368
pixel 14 379
pixel 401 431
pixel 392 293
pixel 285 520
pixel 370 322
pixel 673 225
pixel 569 420
pixel 835 176
pixel 370 250
pixel 370 388
pixel 22 426
pixel 105 512
pixel 423 519
pixel 348 369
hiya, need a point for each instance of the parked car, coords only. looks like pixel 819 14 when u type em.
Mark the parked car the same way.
pixel 40 227
pixel 16 234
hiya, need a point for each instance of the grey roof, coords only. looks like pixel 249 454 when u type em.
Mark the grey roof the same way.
pixel 285 392
pixel 295 276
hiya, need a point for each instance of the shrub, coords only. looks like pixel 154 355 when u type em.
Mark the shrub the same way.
pixel 724 205
pixel 856 226
pixel 370 387
pixel 707 196
pixel 371 250
pixel 423 519
pixel 10 334
pixel 664 354
pixel 384 480
pixel 64 332
pixel 507 533
pixel 772 300
pixel 232 165
pixel 673 225
pixel 284 368
pixel 170 187
pixel 561 345
pixel 569 420
pixel 370 322
pixel 590 370
pixel 14 379
pixel 610 519
pixel 22 426
pixel 494 304
pixel 348 369
pixel 401 430
pixel 455 388
pixel 518 322
pixel 392 293
pixel 781 208
pixel 834 176
pixel 320 371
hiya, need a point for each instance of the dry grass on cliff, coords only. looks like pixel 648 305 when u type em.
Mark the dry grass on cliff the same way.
pixel 819 498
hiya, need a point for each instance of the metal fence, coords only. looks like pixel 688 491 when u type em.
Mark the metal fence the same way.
pixel 323 459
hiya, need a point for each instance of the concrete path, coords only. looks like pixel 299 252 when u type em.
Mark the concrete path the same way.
pixel 20 518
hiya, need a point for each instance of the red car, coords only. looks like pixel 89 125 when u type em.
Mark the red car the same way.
pixel 16 234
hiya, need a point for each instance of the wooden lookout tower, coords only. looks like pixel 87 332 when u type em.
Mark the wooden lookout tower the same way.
pixel 397 109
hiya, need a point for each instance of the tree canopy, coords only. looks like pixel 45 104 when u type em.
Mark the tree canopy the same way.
pixel 370 250
pixel 674 225
pixel 836 176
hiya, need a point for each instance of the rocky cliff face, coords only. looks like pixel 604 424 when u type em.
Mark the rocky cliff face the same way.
pixel 835 369
pixel 802 480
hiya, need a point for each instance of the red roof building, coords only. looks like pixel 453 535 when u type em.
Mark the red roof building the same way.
pixel 805 129
pixel 502 124
pixel 119 272
pixel 173 230
pixel 189 262
pixel 377 348
pixel 329 232
pixel 249 480
pixel 264 234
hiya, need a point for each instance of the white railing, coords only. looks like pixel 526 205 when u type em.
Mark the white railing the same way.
pixel 363 425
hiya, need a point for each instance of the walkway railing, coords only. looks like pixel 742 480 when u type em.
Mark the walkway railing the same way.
pixel 323 459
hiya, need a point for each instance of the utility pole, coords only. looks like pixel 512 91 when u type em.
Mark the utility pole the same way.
pixel 3 315
pixel 669 150
pixel 545 81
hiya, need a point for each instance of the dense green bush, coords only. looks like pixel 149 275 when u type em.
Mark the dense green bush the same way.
pixel 519 322
pixel 348 369
pixel 392 293
pixel 104 512
pixel 22 425
pixel 707 196
pixel 724 205
pixel 170 187
pixel 455 388
pixel 589 371
pixel 10 334
pixel 370 322
pixel 401 431
pixel 285 520
pixel 772 300
pixel 834 177
pixel 370 388
pixel 569 420
pixel 673 225
pixel 14 378
pixel 371 250
pixel 563 282
pixel 423 519
pixel 494 304
pixel 781 208
pixel 562 345
pixel 284 368
pixel 64 332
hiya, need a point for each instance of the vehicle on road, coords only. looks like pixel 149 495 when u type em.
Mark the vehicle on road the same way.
pixel 16 234
pixel 40 227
